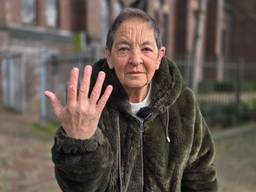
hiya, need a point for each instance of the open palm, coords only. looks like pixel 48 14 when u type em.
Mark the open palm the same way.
pixel 80 117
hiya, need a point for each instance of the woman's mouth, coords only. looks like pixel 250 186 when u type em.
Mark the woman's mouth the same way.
pixel 135 72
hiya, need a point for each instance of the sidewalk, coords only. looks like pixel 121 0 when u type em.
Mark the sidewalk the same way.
pixel 25 162
pixel 236 159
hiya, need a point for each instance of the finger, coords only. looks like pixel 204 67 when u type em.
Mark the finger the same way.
pixel 56 105
pixel 97 87
pixel 85 85
pixel 103 100
pixel 72 88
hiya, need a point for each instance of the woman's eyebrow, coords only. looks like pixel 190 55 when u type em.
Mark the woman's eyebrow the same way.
pixel 124 42
pixel 147 43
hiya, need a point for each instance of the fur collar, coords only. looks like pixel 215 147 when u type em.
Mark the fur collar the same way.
pixel 167 84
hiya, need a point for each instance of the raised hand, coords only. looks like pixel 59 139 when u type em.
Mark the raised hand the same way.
pixel 80 116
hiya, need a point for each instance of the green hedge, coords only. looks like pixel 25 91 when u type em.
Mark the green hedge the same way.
pixel 217 115
pixel 225 86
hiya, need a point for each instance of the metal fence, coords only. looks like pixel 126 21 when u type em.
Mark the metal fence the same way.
pixel 23 75
pixel 238 83
pixel 235 70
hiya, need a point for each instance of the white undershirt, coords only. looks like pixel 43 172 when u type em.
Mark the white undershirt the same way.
pixel 135 107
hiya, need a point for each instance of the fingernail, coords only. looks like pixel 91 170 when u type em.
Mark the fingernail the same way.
pixel 88 67
pixel 75 69
pixel 101 73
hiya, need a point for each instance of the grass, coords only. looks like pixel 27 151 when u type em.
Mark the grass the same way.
pixel 48 130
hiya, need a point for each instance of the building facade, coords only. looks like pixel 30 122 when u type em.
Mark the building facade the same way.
pixel 28 26
pixel 242 16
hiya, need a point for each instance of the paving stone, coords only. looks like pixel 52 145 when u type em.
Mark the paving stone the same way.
pixel 25 160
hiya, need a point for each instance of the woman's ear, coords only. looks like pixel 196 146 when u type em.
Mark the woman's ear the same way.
pixel 108 57
pixel 161 54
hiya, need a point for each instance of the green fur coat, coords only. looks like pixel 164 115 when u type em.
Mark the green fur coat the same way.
pixel 170 151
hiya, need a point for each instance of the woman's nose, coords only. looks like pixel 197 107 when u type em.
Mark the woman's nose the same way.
pixel 135 57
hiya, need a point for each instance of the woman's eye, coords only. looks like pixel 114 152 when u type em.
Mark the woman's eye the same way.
pixel 146 49
pixel 122 49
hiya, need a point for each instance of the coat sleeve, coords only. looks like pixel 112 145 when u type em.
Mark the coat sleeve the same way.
pixel 82 165
pixel 200 173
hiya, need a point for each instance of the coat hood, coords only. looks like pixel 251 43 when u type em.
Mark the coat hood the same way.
pixel 167 84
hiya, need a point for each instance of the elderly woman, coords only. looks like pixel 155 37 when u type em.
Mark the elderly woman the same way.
pixel 133 125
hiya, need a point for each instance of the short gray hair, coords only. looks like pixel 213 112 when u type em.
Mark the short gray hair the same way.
pixel 127 14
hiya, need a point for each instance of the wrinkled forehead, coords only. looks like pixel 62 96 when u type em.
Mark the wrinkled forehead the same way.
pixel 135 29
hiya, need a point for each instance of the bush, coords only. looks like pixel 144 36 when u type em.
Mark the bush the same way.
pixel 217 115
pixel 206 86
pixel 249 110
pixel 225 86
pixel 222 116
pixel 215 86
pixel 249 86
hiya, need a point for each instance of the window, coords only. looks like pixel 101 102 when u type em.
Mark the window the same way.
pixel 28 11
pixel 51 12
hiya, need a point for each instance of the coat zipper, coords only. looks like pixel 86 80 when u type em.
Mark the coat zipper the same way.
pixel 141 153
pixel 141 122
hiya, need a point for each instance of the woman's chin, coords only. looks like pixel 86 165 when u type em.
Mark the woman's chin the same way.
pixel 135 85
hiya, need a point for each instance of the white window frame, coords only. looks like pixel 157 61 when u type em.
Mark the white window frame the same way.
pixel 51 13
pixel 28 11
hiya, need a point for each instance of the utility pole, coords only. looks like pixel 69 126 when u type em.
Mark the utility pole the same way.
pixel 197 52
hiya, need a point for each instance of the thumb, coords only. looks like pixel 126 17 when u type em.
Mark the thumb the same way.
pixel 55 103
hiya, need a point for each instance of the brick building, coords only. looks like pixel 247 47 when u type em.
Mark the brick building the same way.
pixel 26 26
pixel 52 20
pixel 242 43
pixel 242 15
pixel 29 25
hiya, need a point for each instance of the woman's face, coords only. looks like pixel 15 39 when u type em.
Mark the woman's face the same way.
pixel 134 55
